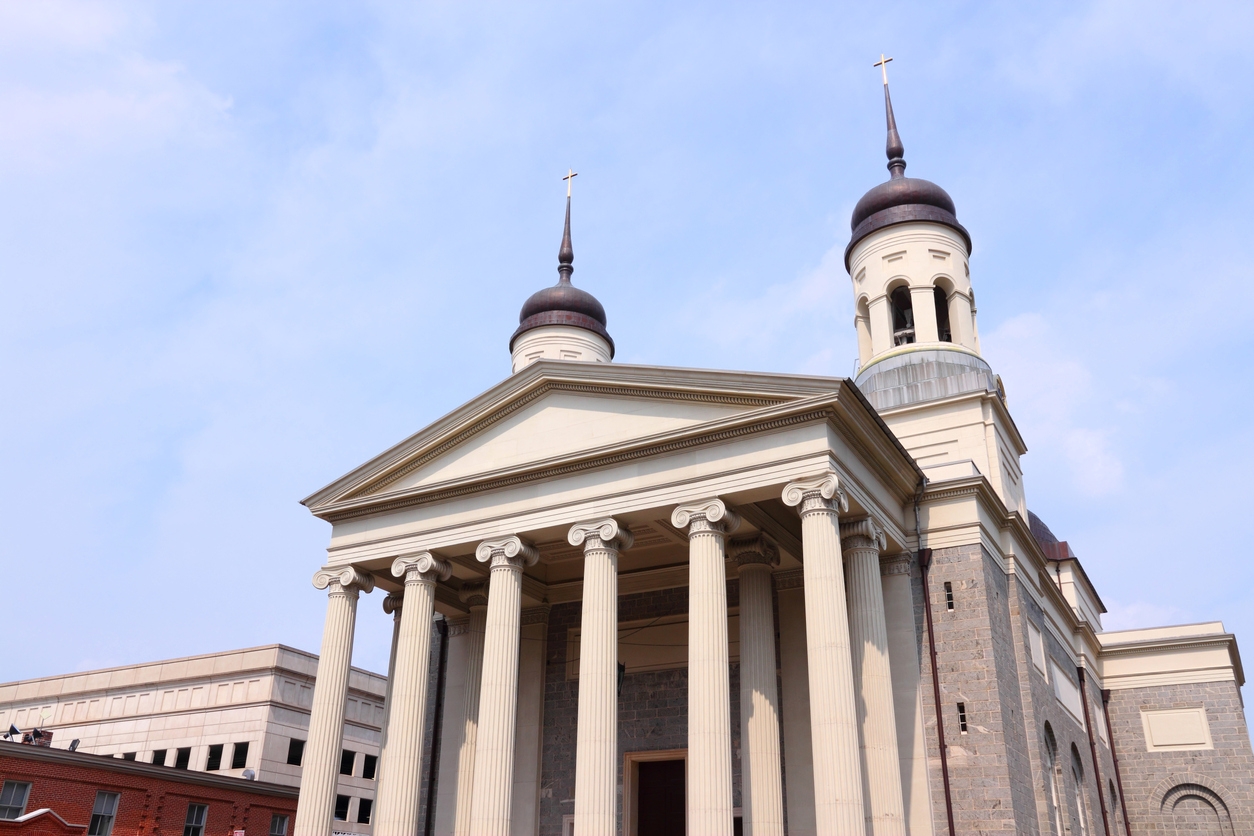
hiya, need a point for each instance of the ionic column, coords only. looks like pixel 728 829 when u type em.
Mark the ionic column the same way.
pixel 862 542
pixel 316 802
pixel 494 750
pixel 401 755
pixel 596 744
pixel 709 674
pixel 475 596
pixel 838 806
pixel 392 606
pixel 761 787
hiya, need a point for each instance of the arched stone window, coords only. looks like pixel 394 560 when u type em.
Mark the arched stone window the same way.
pixel 1194 809
pixel 1051 781
pixel 903 315
pixel 1077 777
pixel 943 330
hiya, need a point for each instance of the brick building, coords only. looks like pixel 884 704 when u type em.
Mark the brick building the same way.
pixel 57 792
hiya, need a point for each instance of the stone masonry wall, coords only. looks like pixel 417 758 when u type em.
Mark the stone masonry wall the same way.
pixel 1222 778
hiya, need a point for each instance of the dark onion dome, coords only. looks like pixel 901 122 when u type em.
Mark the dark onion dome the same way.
pixel 901 199
pixel 563 303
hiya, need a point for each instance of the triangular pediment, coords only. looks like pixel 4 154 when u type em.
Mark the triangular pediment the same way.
pixel 554 411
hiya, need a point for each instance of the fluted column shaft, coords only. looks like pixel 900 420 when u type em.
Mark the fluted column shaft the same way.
pixel 762 793
pixel 838 803
pixel 477 599
pixel 396 801
pixel 316 802
pixel 709 671
pixel 868 634
pixel 494 749
pixel 596 743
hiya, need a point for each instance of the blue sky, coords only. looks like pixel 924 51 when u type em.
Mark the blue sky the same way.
pixel 244 247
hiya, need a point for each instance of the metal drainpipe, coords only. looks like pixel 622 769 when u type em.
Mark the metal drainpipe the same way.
pixel 437 726
pixel 1114 757
pixel 1097 768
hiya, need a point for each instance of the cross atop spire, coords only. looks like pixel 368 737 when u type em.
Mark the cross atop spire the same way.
pixel 571 174
pixel 894 149
pixel 566 255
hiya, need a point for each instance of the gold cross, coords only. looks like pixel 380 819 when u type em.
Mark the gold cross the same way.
pixel 572 174
pixel 883 65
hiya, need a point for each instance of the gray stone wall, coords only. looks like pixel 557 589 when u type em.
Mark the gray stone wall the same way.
pixel 1170 790
pixel 652 706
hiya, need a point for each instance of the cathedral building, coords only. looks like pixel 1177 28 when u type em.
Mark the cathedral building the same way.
pixel 647 600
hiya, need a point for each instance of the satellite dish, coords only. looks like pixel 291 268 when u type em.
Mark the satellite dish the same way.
pixel 249 775
pixel 74 745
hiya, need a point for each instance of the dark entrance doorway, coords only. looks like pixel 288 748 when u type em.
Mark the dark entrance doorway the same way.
pixel 660 798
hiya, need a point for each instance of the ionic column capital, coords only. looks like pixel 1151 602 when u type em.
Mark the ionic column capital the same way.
pixel 813 494
pixel 600 534
pixel 474 594
pixel 423 567
pixel 759 550
pixel 348 580
pixel 509 552
pixel 706 516
pixel 864 533
pixel 897 564
pixel 393 603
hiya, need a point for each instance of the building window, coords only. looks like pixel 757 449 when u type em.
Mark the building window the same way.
pixel 183 757
pixel 369 765
pixel 347 758
pixel 341 807
pixel 295 751
pixel 363 810
pixel 949 596
pixel 1051 779
pixel 129 756
pixel 239 756
pixel 158 757
pixel 278 825
pixel 195 824
pixel 13 799
pixel 1077 775
pixel 903 316
pixel 942 315
pixel 214 762
pixel 102 814
pixel 962 717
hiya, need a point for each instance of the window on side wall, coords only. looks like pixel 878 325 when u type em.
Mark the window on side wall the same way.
pixel 341 807
pixel 369 766
pixel 13 797
pixel 214 762
pixel 364 808
pixel 278 825
pixel 194 825
pixel 158 756
pixel 183 757
pixel 295 752
pixel 347 758
pixel 103 812
pixel 239 756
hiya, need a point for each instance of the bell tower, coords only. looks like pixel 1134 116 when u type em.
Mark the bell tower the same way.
pixel 919 361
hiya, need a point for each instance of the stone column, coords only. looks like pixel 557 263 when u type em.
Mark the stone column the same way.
pixel 838 806
pixel 494 749
pixel 596 743
pixel 400 758
pixel 316 802
pixel 709 668
pixel 861 543
pixel 392 606
pixel 475 596
pixel 761 786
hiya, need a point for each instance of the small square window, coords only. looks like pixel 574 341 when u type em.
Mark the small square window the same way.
pixel 158 756
pixel 347 759
pixel 364 807
pixel 341 807
pixel 278 825
pixel 962 717
pixel 13 797
pixel 214 762
pixel 239 756
pixel 182 757
pixel 295 751
pixel 195 823
pixel 949 596
pixel 369 766
pixel 103 812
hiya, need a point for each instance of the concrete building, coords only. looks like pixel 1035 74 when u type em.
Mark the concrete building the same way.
pixel 231 713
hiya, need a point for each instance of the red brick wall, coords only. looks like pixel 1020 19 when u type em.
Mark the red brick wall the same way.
pixel 149 804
